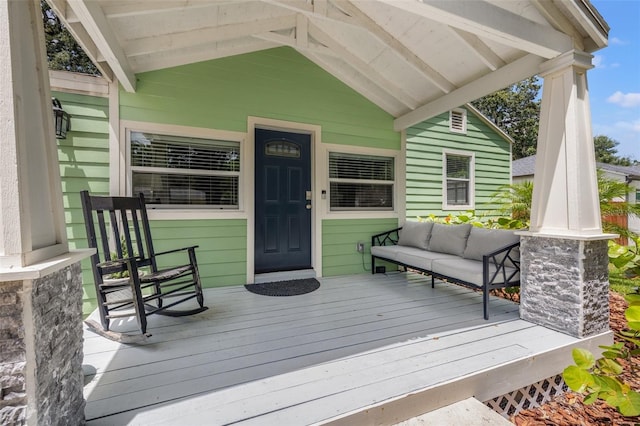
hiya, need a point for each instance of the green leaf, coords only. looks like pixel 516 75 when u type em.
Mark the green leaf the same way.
pixel 576 378
pixel 629 405
pixel 611 354
pixel 583 358
pixel 632 314
pixel 622 260
pixel 632 298
pixel 609 366
pixel 591 398
pixel 609 385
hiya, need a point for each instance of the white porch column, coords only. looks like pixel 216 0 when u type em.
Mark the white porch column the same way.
pixel 40 285
pixel 564 256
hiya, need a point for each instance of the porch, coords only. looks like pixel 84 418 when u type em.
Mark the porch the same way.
pixel 360 349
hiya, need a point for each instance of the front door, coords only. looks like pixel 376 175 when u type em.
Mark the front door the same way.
pixel 283 201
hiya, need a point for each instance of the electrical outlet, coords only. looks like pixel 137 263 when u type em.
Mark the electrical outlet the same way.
pixel 360 247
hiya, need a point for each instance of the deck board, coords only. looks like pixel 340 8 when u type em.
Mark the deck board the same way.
pixel 354 341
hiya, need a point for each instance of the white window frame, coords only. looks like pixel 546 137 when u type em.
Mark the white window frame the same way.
pixel 399 171
pixel 463 112
pixel 471 180
pixel 184 211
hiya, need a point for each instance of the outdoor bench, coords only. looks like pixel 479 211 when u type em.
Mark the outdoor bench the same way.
pixel 479 258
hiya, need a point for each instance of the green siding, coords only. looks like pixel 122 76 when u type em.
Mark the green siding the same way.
pixel 339 239
pixel 425 143
pixel 221 252
pixel 84 164
pixel 277 83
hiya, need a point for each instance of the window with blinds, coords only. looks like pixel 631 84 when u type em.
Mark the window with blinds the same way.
pixel 184 171
pixel 360 182
pixel 458 180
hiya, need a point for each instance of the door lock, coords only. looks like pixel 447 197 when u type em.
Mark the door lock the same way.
pixel 308 195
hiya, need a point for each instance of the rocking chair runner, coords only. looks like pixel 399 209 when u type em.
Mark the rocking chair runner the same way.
pixel 118 228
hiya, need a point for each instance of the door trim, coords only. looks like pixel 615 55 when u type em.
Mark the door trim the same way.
pixel 315 132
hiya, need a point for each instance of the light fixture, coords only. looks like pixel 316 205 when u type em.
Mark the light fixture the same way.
pixel 61 119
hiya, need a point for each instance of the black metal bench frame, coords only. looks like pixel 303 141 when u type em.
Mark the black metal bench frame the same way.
pixel 489 279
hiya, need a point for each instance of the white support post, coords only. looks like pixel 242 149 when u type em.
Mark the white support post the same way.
pixel 40 281
pixel 564 275
pixel 565 199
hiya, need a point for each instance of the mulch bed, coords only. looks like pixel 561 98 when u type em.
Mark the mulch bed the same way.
pixel 568 409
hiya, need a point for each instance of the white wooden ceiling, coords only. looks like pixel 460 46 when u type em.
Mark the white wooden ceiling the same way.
pixel 412 58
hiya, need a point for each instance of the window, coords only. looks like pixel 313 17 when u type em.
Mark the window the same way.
pixel 458 120
pixel 360 182
pixel 181 171
pixel 458 180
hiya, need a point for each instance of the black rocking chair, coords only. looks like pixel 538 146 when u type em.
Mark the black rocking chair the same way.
pixel 118 228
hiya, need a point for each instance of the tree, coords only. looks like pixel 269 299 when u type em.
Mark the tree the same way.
pixel 606 151
pixel 516 199
pixel 63 52
pixel 516 110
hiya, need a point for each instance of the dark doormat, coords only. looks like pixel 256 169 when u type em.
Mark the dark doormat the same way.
pixel 285 288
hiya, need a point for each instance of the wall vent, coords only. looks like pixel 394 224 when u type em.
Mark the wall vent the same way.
pixel 458 120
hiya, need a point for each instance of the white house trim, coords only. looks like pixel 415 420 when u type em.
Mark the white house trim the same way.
pixel 472 180
pixel 126 126
pixel 83 84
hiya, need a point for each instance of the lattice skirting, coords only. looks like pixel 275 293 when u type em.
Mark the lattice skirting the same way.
pixel 528 397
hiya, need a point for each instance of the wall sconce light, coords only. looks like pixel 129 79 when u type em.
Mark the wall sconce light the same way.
pixel 61 119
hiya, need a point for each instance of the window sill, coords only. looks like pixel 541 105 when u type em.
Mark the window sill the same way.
pixel 194 214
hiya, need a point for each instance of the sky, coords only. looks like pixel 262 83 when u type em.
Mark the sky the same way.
pixel 614 83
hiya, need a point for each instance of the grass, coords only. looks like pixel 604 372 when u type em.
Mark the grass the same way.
pixel 621 284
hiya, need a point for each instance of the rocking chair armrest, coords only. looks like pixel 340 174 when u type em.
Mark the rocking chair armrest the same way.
pixel 116 261
pixel 176 250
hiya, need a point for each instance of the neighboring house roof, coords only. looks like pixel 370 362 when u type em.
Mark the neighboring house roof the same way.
pixel 527 165
pixel 415 60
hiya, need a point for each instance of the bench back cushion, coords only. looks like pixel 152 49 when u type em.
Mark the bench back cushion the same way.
pixel 451 239
pixel 415 234
pixel 484 241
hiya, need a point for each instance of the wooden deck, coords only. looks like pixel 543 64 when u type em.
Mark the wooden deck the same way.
pixel 357 346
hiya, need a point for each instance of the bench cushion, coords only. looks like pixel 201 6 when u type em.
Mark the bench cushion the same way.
pixel 415 234
pixel 385 252
pixel 483 241
pixel 450 239
pixel 468 270
pixel 421 259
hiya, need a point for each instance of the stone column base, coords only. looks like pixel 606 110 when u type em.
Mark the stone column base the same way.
pixel 565 284
pixel 41 349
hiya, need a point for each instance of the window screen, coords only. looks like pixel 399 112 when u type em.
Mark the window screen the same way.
pixel 360 182
pixel 174 170
pixel 458 172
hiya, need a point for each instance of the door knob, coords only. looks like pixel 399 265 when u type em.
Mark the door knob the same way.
pixel 308 206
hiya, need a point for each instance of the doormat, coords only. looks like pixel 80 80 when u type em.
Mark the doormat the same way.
pixel 285 288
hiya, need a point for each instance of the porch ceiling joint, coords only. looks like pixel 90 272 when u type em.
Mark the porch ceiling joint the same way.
pixel 555 17
pixel 96 25
pixel 491 22
pixel 480 49
pixel 509 74
pixel 207 36
pixel 358 17
pixel 362 66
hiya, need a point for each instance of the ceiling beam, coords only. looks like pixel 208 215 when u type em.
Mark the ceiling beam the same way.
pixel 204 53
pixel 354 80
pixel 96 25
pixel 516 71
pixel 480 49
pixel 556 18
pixel 485 20
pixel 360 18
pixel 210 35
pixel 362 66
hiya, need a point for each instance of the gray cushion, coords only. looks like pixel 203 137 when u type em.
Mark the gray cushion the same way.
pixel 419 258
pixel 469 270
pixel 415 234
pixel 451 239
pixel 484 241
pixel 385 252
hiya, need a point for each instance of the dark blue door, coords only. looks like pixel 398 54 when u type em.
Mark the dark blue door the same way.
pixel 283 201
